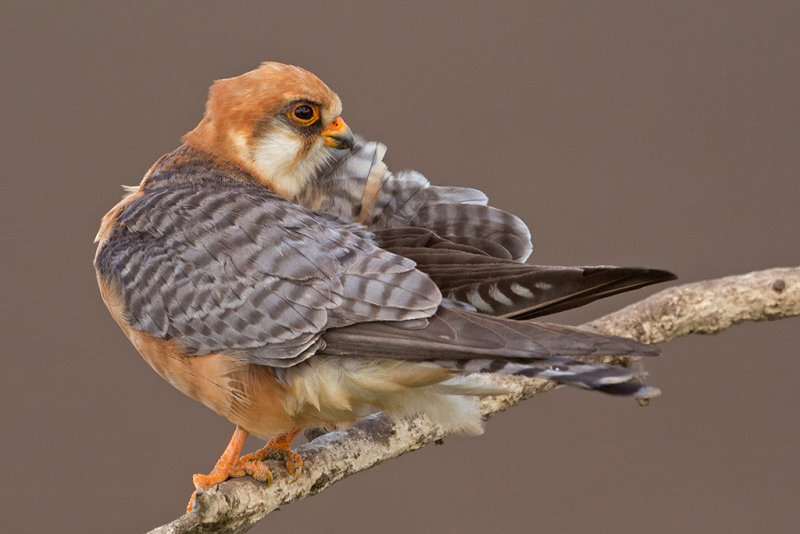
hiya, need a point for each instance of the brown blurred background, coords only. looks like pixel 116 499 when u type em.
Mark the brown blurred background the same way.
pixel 664 134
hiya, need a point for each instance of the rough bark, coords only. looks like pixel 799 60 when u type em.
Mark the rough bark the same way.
pixel 703 307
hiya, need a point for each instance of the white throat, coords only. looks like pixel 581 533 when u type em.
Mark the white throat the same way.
pixel 276 156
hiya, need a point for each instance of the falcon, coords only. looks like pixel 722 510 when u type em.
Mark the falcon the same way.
pixel 274 269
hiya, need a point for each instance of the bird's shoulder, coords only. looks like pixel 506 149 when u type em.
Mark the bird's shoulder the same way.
pixel 192 192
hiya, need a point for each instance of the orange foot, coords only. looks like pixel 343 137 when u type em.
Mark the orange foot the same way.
pixel 277 448
pixel 230 465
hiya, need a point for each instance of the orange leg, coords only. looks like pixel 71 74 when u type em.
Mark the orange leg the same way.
pixel 227 466
pixel 231 465
pixel 277 448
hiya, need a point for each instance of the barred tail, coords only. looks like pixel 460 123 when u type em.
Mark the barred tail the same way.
pixel 610 379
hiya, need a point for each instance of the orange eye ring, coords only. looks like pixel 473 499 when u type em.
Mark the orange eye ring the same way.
pixel 304 113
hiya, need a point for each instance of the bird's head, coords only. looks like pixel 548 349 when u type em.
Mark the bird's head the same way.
pixel 279 122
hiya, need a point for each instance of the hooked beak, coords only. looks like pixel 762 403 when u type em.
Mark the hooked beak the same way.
pixel 337 134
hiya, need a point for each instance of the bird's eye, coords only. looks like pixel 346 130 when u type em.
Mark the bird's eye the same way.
pixel 304 114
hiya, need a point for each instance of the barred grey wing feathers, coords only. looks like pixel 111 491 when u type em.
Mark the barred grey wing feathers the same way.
pixel 358 186
pixel 243 271
pixel 220 264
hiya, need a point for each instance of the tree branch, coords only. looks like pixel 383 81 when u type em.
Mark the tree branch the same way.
pixel 707 307
pixel 703 307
